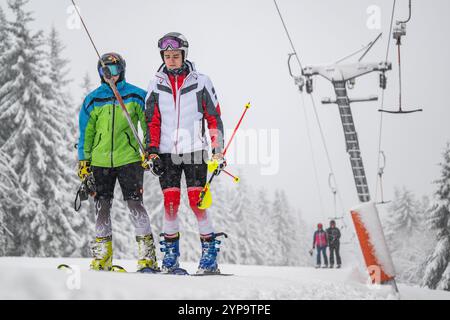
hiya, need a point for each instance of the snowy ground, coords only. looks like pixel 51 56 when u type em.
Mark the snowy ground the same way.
pixel 38 278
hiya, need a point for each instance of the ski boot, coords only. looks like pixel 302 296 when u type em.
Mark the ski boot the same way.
pixel 171 249
pixel 101 250
pixel 208 260
pixel 146 254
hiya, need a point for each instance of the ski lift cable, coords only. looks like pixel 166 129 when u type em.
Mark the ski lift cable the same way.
pixel 380 131
pixel 86 29
pixel 288 35
pixel 312 99
pixel 308 130
pixel 332 185
pixel 303 105
pixel 324 143
pixel 299 82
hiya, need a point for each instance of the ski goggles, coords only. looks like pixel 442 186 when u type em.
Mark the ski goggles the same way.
pixel 172 43
pixel 115 69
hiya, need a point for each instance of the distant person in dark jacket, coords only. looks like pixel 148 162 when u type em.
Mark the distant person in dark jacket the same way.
pixel 320 241
pixel 334 236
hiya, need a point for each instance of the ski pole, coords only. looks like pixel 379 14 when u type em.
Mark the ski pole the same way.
pixel 247 106
pixel 206 189
pixel 108 79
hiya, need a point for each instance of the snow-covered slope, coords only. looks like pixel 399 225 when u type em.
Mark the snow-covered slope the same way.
pixel 38 278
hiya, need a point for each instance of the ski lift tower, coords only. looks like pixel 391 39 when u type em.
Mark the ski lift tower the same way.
pixel 343 76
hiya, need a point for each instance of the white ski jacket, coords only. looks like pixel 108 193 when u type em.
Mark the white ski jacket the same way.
pixel 176 109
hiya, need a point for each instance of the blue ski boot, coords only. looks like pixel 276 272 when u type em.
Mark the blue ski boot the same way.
pixel 208 261
pixel 171 249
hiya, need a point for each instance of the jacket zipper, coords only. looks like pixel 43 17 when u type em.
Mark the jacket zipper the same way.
pixel 112 132
pixel 177 105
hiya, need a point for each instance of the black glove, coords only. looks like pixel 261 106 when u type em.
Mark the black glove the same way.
pixel 156 164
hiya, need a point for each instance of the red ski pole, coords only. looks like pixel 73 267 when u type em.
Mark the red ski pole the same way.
pixel 247 106
pixel 235 178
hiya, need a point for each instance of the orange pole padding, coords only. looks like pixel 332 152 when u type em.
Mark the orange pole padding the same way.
pixel 380 268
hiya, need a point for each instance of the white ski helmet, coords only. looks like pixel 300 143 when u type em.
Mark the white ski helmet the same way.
pixel 174 41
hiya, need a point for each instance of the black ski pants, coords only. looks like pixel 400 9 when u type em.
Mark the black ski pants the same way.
pixel 334 250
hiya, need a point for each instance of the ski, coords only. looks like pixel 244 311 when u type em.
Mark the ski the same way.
pixel 114 268
pixel 175 272
pixel 211 274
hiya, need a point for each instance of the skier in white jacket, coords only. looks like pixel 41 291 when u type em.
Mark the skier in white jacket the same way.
pixel 180 102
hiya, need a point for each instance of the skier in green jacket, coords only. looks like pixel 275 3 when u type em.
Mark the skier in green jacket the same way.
pixel 108 150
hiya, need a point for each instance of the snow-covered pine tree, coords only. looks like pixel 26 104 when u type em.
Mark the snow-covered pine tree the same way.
pixel 301 237
pixel 240 213
pixel 58 71
pixel 402 219
pixel 406 235
pixel 285 223
pixel 36 144
pixel 250 224
pixel 11 200
pixel 437 266
pixel 274 222
pixel 86 85
pixel 4 38
pixel 58 65
pixel 267 249
pixel 5 73
pixel 425 238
